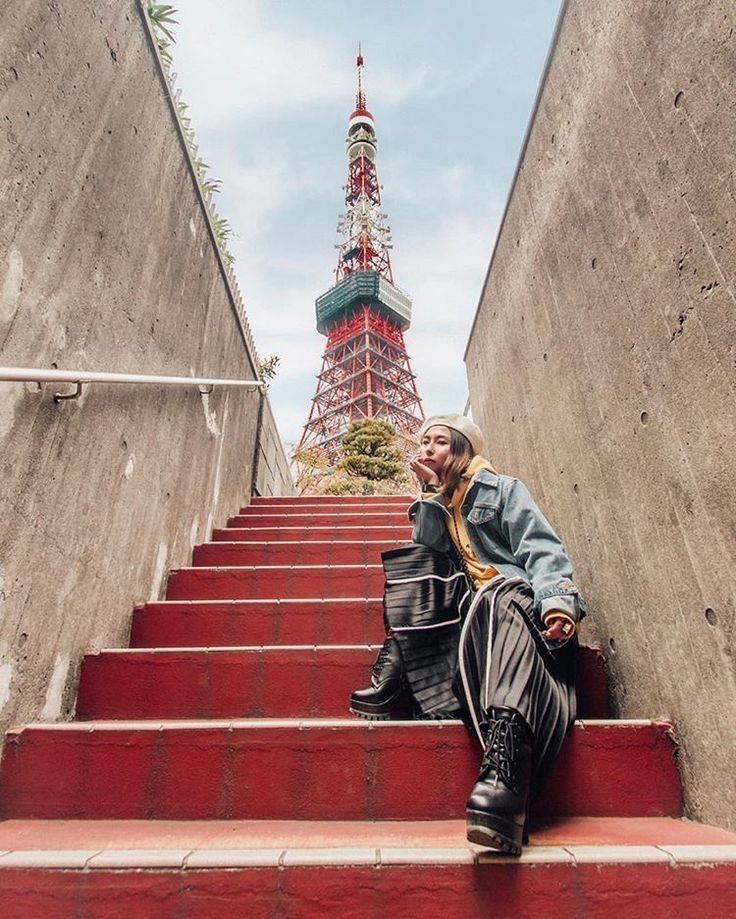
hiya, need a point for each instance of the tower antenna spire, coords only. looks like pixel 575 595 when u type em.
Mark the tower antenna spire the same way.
pixel 360 93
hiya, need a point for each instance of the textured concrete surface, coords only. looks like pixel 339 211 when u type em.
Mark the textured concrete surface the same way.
pixel 602 363
pixel 223 835
pixel 106 263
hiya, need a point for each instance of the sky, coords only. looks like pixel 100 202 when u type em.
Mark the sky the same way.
pixel 270 85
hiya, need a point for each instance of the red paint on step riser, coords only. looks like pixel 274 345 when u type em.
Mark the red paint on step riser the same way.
pixel 382 507
pixel 185 625
pixel 332 502
pixel 293 553
pixel 221 684
pixel 146 894
pixel 388 535
pixel 230 684
pixel 274 583
pixel 265 518
pixel 237 684
pixel 334 773
pixel 501 889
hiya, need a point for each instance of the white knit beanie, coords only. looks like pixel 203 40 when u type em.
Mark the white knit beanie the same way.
pixel 458 423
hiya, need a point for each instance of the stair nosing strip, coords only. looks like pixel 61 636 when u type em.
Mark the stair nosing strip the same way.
pixel 295 542
pixel 278 723
pixel 378 856
pixel 301 529
pixel 328 515
pixel 321 567
pixel 206 648
pixel 272 600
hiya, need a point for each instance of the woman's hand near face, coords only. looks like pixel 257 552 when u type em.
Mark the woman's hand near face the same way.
pixel 423 474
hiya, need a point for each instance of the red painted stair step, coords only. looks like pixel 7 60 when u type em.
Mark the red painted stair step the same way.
pixel 337 770
pixel 267 518
pixel 557 888
pixel 388 534
pixel 202 623
pixel 273 682
pixel 327 511
pixel 331 501
pixel 279 582
pixel 291 553
pixel 105 869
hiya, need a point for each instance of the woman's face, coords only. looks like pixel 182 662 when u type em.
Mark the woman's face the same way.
pixel 435 447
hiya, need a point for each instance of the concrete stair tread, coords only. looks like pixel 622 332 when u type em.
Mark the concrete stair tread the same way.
pixel 268 517
pixel 372 508
pixel 224 553
pixel 358 648
pixel 319 567
pixel 338 529
pixel 340 517
pixel 205 649
pixel 246 602
pixel 247 843
pixel 377 533
pixel 298 512
pixel 380 544
pixel 328 499
pixel 301 724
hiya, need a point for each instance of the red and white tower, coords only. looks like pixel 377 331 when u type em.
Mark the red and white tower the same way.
pixel 365 368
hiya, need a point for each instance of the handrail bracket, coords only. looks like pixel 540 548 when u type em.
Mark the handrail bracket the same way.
pixel 61 397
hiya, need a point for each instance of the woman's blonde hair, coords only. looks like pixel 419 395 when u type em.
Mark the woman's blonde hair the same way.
pixel 460 456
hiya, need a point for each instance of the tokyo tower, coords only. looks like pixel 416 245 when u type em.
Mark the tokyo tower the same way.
pixel 365 368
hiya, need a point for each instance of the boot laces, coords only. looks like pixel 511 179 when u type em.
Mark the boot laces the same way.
pixel 381 659
pixel 500 752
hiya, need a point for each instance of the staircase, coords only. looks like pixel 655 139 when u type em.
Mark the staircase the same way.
pixel 214 770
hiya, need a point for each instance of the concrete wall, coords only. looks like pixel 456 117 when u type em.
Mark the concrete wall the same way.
pixel 602 363
pixel 106 263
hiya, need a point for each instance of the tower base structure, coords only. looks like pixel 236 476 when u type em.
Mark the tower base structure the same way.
pixel 365 374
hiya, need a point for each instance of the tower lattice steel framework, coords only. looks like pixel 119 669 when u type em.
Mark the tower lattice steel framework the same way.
pixel 365 367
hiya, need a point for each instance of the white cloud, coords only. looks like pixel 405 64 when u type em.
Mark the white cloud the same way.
pixel 455 180
pixel 443 266
pixel 247 68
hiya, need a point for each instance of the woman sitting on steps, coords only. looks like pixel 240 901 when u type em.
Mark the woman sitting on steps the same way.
pixel 481 619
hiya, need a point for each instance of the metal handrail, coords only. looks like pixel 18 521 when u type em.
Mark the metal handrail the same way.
pixel 83 377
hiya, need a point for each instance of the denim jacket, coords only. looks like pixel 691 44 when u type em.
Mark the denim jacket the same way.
pixel 508 531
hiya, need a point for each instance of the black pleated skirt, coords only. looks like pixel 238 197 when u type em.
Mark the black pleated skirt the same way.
pixel 423 603
pixel 471 651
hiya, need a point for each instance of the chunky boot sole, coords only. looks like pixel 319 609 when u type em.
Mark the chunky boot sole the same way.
pixel 494 832
pixel 399 707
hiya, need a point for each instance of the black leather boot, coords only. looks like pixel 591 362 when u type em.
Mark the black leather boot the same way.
pixel 388 697
pixel 497 806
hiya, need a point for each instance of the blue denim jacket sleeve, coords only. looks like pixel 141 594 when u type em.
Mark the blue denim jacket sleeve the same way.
pixel 539 551
pixel 430 529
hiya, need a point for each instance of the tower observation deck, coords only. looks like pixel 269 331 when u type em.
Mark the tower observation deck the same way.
pixel 365 367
